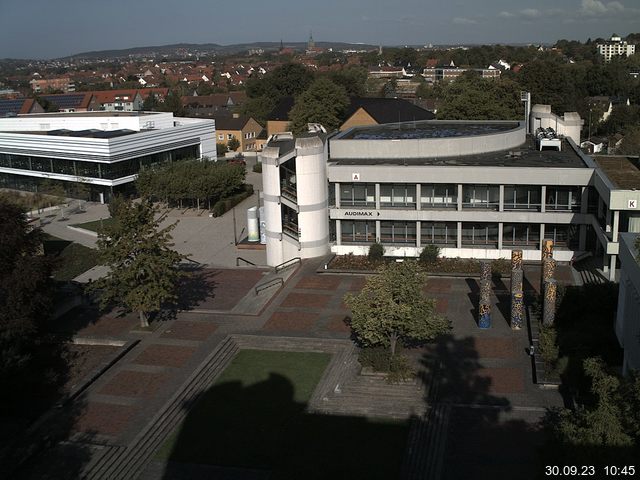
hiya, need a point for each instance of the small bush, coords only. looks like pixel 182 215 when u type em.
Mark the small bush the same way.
pixel 429 254
pixel 376 252
pixel 376 358
pixel 257 167
pixel 548 348
pixel 501 266
pixel 399 369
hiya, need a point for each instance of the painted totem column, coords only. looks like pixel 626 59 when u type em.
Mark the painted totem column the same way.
pixel 549 306
pixel 517 310
pixel 484 308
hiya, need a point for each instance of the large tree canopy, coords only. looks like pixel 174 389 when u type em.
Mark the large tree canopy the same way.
pixel 391 307
pixel 471 97
pixel 25 287
pixel 323 102
pixel 143 267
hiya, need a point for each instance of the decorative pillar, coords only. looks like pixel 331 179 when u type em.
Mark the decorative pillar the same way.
pixel 548 269
pixel 485 272
pixel 484 308
pixel 549 307
pixel 517 310
pixel 517 280
pixel 547 248
pixel 516 260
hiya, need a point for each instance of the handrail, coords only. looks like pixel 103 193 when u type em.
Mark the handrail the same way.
pixel 268 284
pixel 287 264
pixel 244 260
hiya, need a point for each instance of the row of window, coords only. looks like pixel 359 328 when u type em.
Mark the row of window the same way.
pixel 443 196
pixel 86 169
pixel 445 234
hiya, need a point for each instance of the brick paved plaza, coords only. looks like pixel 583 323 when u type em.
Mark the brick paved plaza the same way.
pixel 479 380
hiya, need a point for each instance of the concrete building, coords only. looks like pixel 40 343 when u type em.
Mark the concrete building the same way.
pixel 474 189
pixel 628 315
pixel 102 150
pixel 615 47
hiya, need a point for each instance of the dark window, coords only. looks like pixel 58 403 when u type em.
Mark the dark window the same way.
pixel 481 196
pixel 354 231
pixel 439 233
pixel 522 197
pixel 438 196
pixel 484 235
pixel 357 195
pixel 398 232
pixel 563 198
pixel 521 234
pixel 397 195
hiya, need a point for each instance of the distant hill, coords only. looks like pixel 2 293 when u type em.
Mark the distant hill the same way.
pixel 203 48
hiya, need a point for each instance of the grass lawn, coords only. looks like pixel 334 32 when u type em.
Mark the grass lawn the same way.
pixel 253 417
pixel 73 258
pixel 95 224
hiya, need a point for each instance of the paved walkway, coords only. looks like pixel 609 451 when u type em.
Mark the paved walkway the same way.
pixel 478 383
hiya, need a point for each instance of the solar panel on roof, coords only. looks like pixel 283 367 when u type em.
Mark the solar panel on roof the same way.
pixel 9 107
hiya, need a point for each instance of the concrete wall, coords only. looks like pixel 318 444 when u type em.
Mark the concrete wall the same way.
pixel 627 325
pixel 429 147
pixel 568 125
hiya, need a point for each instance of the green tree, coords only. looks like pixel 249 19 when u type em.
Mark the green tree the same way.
pixel 143 268
pixel 233 144
pixel 631 142
pixel 605 425
pixel 391 307
pixel 221 149
pixel 352 78
pixel 173 103
pixel 287 80
pixel 258 108
pixel 150 103
pixel 471 97
pixel 26 290
pixel 323 102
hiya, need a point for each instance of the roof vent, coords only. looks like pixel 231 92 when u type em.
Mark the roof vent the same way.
pixel 548 138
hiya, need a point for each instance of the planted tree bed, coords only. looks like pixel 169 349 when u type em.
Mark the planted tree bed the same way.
pixel 442 265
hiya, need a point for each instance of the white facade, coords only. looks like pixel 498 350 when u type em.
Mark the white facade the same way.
pixel 97 148
pixel 616 47
pixel 628 316
pixel 568 125
pixel 295 198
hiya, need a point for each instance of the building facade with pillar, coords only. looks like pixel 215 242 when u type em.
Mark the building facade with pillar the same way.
pixel 628 315
pixel 475 189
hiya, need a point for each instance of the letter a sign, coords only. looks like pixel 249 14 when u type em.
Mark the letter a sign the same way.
pixel 355 177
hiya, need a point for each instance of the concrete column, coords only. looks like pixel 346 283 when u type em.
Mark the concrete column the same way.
pixel 378 231
pixel 337 194
pixel 418 195
pixel 459 198
pixel 500 227
pixel 459 242
pixel 612 268
pixel 378 200
pixel 338 232
pixel 616 225
pixel 541 238
pixel 418 237
pixel 501 201
pixel 582 238
pixel 584 206
pixel 543 196
pixel 608 221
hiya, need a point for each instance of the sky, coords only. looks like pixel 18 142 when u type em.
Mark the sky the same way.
pixel 56 28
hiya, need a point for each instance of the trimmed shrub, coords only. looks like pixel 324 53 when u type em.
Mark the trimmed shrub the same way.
pixel 376 252
pixel 429 254
pixel 257 167
pixel 226 204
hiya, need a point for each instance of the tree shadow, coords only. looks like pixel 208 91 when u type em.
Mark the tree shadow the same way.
pixel 195 287
pixel 261 431
pixel 483 436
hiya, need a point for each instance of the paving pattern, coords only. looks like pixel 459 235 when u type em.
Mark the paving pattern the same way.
pixel 478 378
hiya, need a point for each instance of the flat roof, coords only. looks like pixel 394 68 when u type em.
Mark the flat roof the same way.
pixel 624 172
pixel 89 133
pixel 101 113
pixel 527 155
pixel 427 129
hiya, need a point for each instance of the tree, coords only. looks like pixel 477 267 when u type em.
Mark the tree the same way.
pixel 143 268
pixel 471 97
pixel 607 426
pixel 323 102
pixel 25 289
pixel 173 103
pixel 233 144
pixel 287 80
pixel 630 142
pixel 391 307
pixel 352 78
pixel 150 103
pixel 221 149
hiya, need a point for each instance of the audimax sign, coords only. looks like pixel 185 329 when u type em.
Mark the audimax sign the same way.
pixel 361 213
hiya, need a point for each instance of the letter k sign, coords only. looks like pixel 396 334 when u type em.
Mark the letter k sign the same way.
pixel 632 204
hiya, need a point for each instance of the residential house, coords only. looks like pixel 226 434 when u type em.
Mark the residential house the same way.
pixel 218 104
pixel 72 102
pixel 64 84
pixel 19 106
pixel 245 129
